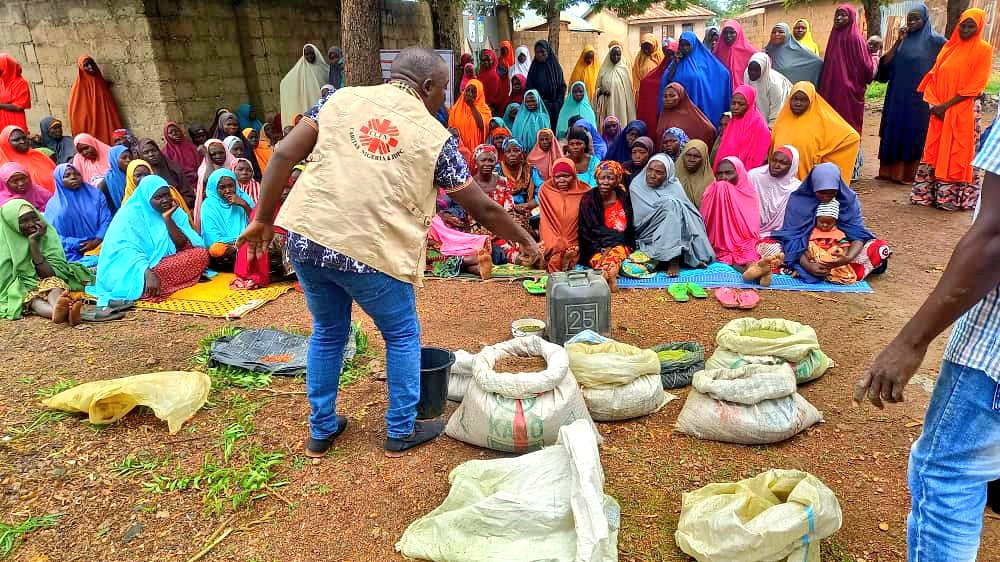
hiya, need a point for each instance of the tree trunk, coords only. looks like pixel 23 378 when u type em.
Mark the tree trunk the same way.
pixel 361 34
pixel 555 25
pixel 955 9
pixel 873 18
pixel 446 19
pixel 505 23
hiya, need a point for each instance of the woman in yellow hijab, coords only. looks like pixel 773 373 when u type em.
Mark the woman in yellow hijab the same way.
pixel 138 169
pixel 646 60
pixel 586 70
pixel 814 127
pixel 802 31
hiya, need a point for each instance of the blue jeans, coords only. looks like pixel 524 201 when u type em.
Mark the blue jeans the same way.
pixel 392 304
pixel 950 465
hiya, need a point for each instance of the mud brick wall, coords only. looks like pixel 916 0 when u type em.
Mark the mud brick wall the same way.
pixel 571 44
pixel 179 60
pixel 819 14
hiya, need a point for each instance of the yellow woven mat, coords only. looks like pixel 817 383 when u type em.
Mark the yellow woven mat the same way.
pixel 216 299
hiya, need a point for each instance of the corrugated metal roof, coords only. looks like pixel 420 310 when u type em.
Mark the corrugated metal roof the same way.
pixel 658 12
pixel 762 3
pixel 531 20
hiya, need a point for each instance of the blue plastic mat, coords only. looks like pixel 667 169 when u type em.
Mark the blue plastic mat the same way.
pixel 721 275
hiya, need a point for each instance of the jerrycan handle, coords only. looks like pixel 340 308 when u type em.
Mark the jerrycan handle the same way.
pixel 577 278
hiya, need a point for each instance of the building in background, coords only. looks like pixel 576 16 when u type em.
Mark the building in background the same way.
pixel 658 20
pixel 574 34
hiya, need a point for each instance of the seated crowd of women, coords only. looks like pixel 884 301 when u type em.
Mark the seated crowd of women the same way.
pixel 729 94
pixel 148 220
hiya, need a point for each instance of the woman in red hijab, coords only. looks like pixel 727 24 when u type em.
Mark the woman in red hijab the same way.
pixel 15 146
pixel 92 108
pixel 15 96
pixel 647 102
pixel 848 67
pixel 496 89
pixel 734 51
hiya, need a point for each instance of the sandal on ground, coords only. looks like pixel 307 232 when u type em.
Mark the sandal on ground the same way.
pixel 96 315
pixel 727 297
pixel 697 291
pixel 679 292
pixel 317 448
pixel 535 287
pixel 424 431
pixel 120 305
pixel 747 299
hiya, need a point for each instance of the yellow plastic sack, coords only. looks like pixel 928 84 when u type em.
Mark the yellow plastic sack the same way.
pixel 174 397
pixel 778 515
pixel 770 341
pixel 610 364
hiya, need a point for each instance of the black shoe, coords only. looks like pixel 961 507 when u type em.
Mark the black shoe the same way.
pixel 317 448
pixel 423 431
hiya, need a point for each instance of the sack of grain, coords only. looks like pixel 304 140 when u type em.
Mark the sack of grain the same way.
pixel 518 412
pixel 752 405
pixel 460 375
pixel 619 381
pixel 770 341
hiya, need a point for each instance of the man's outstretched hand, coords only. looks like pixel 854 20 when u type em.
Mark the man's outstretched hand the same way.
pixel 257 237
pixel 887 377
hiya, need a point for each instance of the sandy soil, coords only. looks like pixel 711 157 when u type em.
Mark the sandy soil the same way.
pixel 355 504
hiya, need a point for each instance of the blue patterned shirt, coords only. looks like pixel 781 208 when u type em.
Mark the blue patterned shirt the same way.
pixel 451 173
pixel 975 340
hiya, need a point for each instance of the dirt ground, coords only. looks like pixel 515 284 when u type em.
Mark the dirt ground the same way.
pixel 355 504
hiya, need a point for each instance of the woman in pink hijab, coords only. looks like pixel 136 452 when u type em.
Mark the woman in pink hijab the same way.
pixel 91 158
pixel 731 209
pixel 847 68
pixel 734 51
pixel 216 156
pixel 15 183
pixel 747 136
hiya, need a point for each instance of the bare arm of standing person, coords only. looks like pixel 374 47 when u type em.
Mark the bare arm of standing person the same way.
pixel 972 272
pixel 290 151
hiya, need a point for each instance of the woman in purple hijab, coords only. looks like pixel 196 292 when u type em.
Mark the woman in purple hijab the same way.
pixel 847 68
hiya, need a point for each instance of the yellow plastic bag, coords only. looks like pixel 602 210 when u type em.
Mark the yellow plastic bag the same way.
pixel 778 515
pixel 174 396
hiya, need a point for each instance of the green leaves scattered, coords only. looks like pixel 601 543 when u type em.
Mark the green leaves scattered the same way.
pixel 61 385
pixel 11 535
pixel 134 465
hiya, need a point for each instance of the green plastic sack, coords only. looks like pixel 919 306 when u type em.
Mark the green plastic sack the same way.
pixel 174 396
pixel 679 362
pixel 770 341
pixel 778 515
pixel 543 506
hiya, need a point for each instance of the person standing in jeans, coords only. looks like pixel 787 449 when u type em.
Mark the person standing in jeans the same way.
pixel 357 222
pixel 957 458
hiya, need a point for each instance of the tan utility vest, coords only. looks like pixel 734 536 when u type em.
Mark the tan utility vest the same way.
pixel 368 188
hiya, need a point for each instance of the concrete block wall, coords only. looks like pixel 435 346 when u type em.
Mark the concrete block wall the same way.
pixel 179 60
pixel 47 37
pixel 571 44
pixel 820 16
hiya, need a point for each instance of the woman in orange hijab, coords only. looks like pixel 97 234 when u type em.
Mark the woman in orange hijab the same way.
pixel 646 60
pixel 15 95
pixel 945 178
pixel 559 199
pixel 470 114
pixel 92 108
pixel 15 146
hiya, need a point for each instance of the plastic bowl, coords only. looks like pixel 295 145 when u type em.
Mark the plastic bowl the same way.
pixel 527 327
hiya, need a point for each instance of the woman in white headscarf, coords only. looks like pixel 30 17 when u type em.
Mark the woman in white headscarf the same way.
pixel 300 87
pixel 771 86
pixel 775 183
pixel 522 61
pixel 615 95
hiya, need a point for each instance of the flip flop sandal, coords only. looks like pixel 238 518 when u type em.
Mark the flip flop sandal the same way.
pixel 536 287
pixel 697 291
pixel 727 297
pixel 120 305
pixel 679 292
pixel 747 299
pixel 97 315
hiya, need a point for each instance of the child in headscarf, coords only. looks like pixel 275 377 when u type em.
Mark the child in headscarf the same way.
pixel 827 243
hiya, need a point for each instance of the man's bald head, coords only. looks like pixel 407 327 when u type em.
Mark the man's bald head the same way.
pixel 425 71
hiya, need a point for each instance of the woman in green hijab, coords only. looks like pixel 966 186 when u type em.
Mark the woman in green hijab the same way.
pixel 34 274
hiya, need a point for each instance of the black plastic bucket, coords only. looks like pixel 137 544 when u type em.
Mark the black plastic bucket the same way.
pixel 435 364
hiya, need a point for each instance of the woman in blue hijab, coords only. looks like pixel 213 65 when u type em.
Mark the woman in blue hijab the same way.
pixel 577 103
pixel 224 215
pixel 621 149
pixel 704 78
pixel 247 116
pixel 113 184
pixel 79 213
pixel 531 118
pixel 866 255
pixel 510 115
pixel 905 115
pixel 150 250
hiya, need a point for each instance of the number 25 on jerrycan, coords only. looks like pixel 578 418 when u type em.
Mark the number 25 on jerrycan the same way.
pixel 577 301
